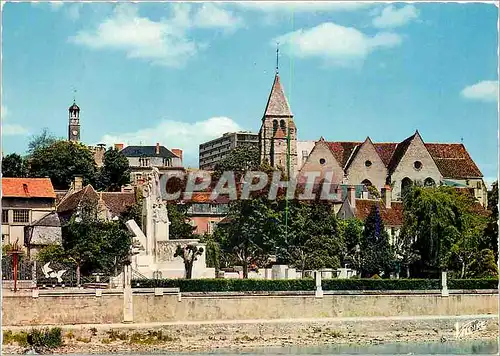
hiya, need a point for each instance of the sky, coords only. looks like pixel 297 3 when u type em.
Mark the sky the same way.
pixel 183 73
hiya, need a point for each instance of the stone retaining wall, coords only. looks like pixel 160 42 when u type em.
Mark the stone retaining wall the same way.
pixel 87 307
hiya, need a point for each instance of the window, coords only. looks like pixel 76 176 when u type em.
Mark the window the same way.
pixel 367 183
pixel 368 163
pixel 21 216
pixel 5 216
pixel 429 182
pixel 417 165
pixel 144 162
pixel 406 184
pixel 322 161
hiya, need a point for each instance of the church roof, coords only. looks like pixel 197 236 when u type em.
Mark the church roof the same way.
pixel 452 159
pixel 277 104
pixel 74 107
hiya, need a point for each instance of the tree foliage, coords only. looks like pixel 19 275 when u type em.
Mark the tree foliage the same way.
pixel 180 227
pixel 42 140
pixel 376 252
pixel 61 162
pixel 114 173
pixel 189 255
pixel 13 165
pixel 239 160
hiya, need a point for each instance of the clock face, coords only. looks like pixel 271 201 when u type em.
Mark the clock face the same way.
pixel 75 132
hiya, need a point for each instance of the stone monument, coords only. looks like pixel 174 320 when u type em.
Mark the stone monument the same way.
pixel 156 256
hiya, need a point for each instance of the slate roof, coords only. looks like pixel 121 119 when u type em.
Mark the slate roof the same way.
pixel 277 104
pixel 27 188
pixel 390 217
pixel 452 159
pixel 147 151
pixel 49 220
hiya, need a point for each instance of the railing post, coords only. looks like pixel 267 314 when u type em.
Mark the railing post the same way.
pixel 319 289
pixel 444 284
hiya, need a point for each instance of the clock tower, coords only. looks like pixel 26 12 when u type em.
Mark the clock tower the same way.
pixel 74 123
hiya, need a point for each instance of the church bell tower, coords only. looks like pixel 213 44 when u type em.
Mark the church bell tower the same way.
pixel 278 134
pixel 74 123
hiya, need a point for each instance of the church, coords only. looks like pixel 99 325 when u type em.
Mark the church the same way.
pixel 366 163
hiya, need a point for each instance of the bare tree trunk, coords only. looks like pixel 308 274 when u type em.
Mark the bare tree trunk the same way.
pixel 407 271
pixel 189 270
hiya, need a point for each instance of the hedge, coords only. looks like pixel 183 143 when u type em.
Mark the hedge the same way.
pixel 259 285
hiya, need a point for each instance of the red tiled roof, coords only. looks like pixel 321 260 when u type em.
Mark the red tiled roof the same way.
pixel 205 197
pixel 453 160
pixel 390 217
pixel 385 150
pixel 118 202
pixel 277 104
pixel 28 188
pixel 342 150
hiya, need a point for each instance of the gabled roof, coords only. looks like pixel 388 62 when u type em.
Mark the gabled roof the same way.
pixel 399 153
pixel 72 201
pixel 453 160
pixel 277 104
pixel 27 188
pixel 147 151
pixel 390 217
pixel 342 151
pixel 118 202
pixel 49 220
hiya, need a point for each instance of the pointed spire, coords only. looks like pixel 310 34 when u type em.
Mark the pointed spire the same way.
pixel 277 57
pixel 277 104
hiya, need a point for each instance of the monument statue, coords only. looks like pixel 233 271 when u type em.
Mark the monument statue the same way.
pixel 157 253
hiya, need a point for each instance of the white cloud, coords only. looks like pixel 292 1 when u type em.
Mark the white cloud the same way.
pixel 335 43
pixel 391 17
pixel 213 16
pixel 302 6
pixel 11 129
pixel 486 90
pixel 176 134
pixel 164 42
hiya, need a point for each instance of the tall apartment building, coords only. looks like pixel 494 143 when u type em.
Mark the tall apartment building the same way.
pixel 213 151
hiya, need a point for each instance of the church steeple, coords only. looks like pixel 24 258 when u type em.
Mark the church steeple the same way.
pixel 278 128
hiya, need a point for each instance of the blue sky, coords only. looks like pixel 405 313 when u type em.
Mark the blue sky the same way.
pixel 180 74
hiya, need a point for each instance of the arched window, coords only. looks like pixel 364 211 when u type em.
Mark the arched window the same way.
pixel 283 125
pixel 367 183
pixel 275 126
pixel 406 184
pixel 429 182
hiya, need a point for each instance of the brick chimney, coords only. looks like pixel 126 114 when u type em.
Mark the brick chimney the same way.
pixel 386 196
pixel 351 195
pixel 118 146
pixel 157 148
pixel 78 183
pixel 177 152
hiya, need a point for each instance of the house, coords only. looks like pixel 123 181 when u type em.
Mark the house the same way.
pixel 391 212
pixel 205 213
pixel 43 232
pixel 110 205
pixel 142 158
pixel 24 200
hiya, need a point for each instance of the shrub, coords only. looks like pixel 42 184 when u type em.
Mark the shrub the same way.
pixel 46 338
pixel 259 285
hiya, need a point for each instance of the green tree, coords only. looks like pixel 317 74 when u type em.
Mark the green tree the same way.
pixel 180 227
pixel 376 252
pixel 490 235
pixel 61 161
pixel 189 255
pixel 351 232
pixel 213 252
pixel 250 237
pixel 13 165
pixel 51 253
pixel 484 265
pixel 114 173
pixel 42 140
pixel 239 160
